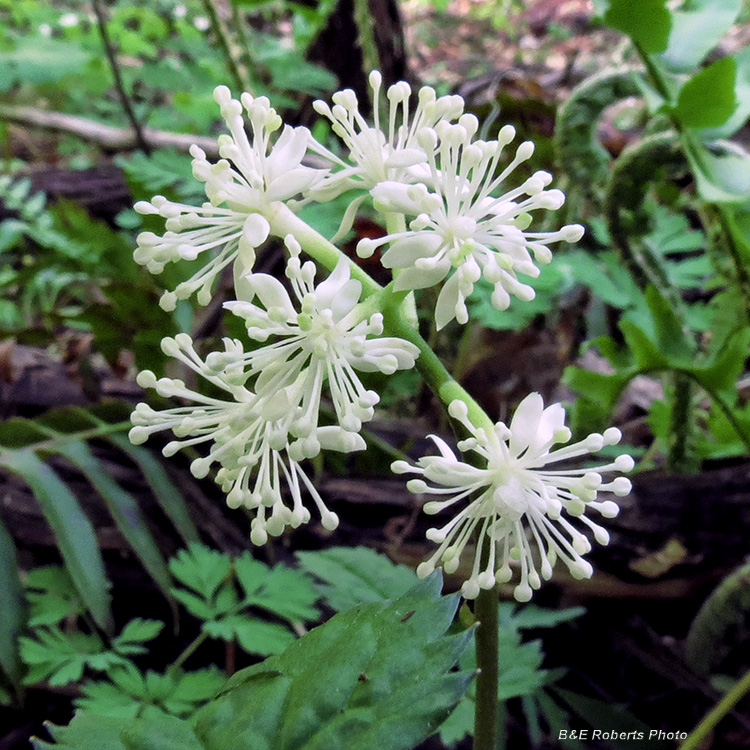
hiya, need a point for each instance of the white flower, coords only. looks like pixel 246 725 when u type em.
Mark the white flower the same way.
pixel 322 338
pixel 387 150
pixel 461 226
pixel 68 20
pixel 248 437
pixel 201 23
pixel 179 11
pixel 242 188
pixel 516 491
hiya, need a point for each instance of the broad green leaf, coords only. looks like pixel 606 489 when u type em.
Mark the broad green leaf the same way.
pixel 697 27
pixel 708 99
pixel 165 491
pixel 124 511
pixel 742 95
pixel 12 606
pixel 349 683
pixel 377 676
pixel 356 575
pixel 73 530
pixel 647 22
pixel 722 171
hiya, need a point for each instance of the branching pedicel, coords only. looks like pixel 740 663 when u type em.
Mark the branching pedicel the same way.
pixel 464 222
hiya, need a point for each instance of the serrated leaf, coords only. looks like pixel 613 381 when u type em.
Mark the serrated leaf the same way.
pixel 124 510
pixel 697 27
pixel 325 677
pixel 531 616
pixel 356 575
pixel 138 631
pixel 648 22
pixel 286 592
pixel 73 530
pixel 708 100
pixel 52 596
pixel 263 638
pixel 13 606
pixel 201 569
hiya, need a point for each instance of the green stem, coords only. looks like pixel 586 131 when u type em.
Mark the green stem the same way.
pixel 680 456
pixel 723 218
pixel 486 716
pixel 394 306
pixel 190 649
pixel 696 738
pixel 234 66
pixel 111 54
pixel 366 37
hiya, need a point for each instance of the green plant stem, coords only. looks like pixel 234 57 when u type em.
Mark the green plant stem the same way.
pixel 395 306
pixel 486 716
pixel 190 649
pixel 366 37
pixel 723 219
pixel 111 54
pixel 234 66
pixel 680 456
pixel 716 714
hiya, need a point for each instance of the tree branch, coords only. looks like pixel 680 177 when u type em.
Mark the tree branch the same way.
pixel 107 137
pixel 111 53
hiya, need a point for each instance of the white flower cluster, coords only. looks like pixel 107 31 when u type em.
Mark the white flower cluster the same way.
pixel 453 217
pixel 515 492
pixel 270 421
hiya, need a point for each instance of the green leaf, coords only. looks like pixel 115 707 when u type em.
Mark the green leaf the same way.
pixel 708 100
pixel 73 530
pixel 286 592
pixel 722 171
pixel 134 634
pixel 62 657
pixel 263 638
pixel 52 596
pixel 697 27
pixel 13 606
pixel 375 677
pixel 647 22
pixel 202 569
pixel 722 623
pixel 726 364
pixel 742 95
pixel 166 493
pixel 356 575
pixel 350 683
pixel 88 732
pixel 124 511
